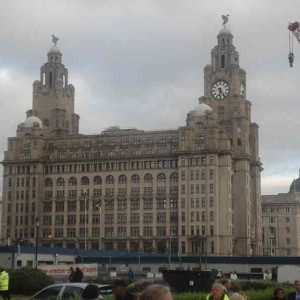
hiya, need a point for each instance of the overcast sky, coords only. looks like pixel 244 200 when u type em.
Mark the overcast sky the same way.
pixel 139 63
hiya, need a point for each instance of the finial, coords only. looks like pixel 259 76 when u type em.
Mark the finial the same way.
pixel 54 39
pixel 225 19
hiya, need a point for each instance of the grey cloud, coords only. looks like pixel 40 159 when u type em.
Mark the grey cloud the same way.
pixel 150 55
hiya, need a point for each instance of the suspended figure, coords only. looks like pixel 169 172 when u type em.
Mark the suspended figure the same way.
pixel 294 28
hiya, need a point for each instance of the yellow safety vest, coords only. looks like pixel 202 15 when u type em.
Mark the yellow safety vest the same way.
pixel 210 297
pixel 4 281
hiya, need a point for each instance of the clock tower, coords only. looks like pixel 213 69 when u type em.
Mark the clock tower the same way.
pixel 225 90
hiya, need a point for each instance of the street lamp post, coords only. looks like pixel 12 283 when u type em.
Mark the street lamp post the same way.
pixel 139 266
pixel 85 220
pixel 37 225
pixel 170 248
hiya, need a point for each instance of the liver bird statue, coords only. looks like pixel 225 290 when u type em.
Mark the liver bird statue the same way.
pixel 54 39
pixel 225 19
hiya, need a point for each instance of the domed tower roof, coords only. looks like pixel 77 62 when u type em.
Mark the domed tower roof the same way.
pixel 224 30
pixel 33 121
pixel 54 50
pixel 295 186
pixel 54 55
pixel 202 109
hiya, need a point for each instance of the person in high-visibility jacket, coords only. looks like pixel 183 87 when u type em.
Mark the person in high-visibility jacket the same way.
pixel 217 292
pixel 4 284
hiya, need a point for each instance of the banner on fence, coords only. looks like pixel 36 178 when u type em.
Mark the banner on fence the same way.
pixel 90 270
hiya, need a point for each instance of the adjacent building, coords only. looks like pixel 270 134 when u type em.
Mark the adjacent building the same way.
pixel 194 189
pixel 281 222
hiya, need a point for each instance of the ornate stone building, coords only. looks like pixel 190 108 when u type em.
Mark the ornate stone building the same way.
pixel 281 225
pixel 195 189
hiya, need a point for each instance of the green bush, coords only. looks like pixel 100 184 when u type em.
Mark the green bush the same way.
pixel 27 281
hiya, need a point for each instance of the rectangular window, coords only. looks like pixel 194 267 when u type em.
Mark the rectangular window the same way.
pixel 71 219
pixel 135 231
pixel 161 217
pixel 192 203
pixel 148 217
pixel 134 218
pixel 148 203
pixel 148 231
pixel 183 203
pixel 122 218
pixel 161 231
pixel 192 175
pixel 109 219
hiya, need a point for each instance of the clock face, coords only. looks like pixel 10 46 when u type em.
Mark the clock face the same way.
pixel 220 89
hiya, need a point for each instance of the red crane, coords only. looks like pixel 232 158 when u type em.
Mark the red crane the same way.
pixel 294 29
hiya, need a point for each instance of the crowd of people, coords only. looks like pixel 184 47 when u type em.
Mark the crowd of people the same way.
pixel 224 289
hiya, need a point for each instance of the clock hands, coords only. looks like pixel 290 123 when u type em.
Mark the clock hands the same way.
pixel 221 92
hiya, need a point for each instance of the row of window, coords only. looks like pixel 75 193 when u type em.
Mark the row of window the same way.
pixel 99 154
pixel 110 192
pixel 137 232
pixel 122 179
pixel 198 174
pixel 112 166
pixel 112 143
pixel 121 204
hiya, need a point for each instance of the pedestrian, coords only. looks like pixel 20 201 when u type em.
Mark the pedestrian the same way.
pixel 130 274
pixel 226 282
pixel 4 284
pixel 234 275
pixel 217 292
pixel 295 295
pixel 71 274
pixel 279 294
pixel 156 292
pixel 77 277
pixel 91 292
pixel 120 291
pixel 266 275
pixel 236 289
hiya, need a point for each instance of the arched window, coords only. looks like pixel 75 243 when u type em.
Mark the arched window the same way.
pixel 148 178
pixel 122 179
pixel 223 61
pixel 46 122
pixel 161 177
pixel 110 179
pixel 60 181
pixel 85 180
pixel 72 181
pixel 48 182
pixel 135 178
pixel 97 180
pixel 174 177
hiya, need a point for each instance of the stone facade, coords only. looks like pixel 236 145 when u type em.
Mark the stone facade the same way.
pixel 191 190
